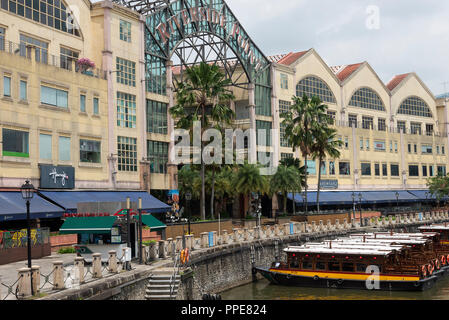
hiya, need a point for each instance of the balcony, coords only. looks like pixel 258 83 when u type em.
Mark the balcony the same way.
pixel 43 57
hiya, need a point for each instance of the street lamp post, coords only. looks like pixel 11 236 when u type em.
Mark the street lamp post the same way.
pixel 27 194
pixel 140 232
pixel 353 206
pixel 397 201
pixel 360 203
pixel 188 198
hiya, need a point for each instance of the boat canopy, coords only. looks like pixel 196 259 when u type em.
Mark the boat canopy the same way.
pixel 351 251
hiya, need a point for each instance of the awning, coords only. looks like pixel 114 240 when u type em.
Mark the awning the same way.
pixel 79 225
pixel 425 195
pixel 326 198
pixel 13 207
pixel 70 199
pixel 152 222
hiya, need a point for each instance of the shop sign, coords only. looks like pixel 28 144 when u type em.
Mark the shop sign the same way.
pixel 57 177
pixel 329 184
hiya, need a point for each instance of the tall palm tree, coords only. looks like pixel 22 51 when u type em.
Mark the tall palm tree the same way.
pixel 202 96
pixel 304 114
pixel 248 179
pixel 326 144
pixel 285 180
pixel 295 163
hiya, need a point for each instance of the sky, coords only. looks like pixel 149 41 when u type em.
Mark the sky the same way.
pixel 393 36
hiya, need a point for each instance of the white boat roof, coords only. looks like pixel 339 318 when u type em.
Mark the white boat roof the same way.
pixel 395 235
pixel 374 246
pixel 392 240
pixel 434 227
pixel 324 250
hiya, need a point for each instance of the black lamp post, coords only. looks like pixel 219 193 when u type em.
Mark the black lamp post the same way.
pixel 27 194
pixel 353 206
pixel 397 201
pixel 188 198
pixel 140 232
pixel 360 203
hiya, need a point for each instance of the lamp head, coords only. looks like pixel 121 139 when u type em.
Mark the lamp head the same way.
pixel 27 191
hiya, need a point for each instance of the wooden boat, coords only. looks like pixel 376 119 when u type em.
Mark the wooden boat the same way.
pixel 382 261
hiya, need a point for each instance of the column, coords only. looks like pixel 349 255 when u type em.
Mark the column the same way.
pixel 171 166
pixel 252 152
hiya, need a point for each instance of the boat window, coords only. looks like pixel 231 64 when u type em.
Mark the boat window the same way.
pixel 307 264
pixel 294 263
pixel 346 266
pixel 360 267
pixel 333 266
pixel 320 265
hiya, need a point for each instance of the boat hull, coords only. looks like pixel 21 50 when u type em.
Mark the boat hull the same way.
pixel 317 282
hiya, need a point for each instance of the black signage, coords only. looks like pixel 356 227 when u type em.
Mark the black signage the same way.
pixel 329 184
pixel 57 177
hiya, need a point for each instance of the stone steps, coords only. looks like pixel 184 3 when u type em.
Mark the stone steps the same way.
pixel 160 285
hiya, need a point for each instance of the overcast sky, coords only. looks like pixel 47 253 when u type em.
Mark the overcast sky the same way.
pixel 405 36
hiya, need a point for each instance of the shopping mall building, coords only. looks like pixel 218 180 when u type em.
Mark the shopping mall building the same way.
pixel 72 128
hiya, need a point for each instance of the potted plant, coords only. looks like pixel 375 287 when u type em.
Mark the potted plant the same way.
pixel 84 64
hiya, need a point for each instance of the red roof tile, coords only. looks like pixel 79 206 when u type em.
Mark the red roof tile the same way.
pixel 291 57
pixel 345 72
pixel 396 81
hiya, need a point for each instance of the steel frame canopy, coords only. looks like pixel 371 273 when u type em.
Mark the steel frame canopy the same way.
pixel 193 31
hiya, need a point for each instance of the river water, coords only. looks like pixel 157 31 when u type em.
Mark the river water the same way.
pixel 263 290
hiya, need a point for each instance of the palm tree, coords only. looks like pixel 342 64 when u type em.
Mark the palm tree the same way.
pixel 285 180
pixel 326 144
pixel 295 163
pixel 248 179
pixel 189 181
pixel 304 114
pixel 203 95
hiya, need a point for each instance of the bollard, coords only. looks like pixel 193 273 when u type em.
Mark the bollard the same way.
pixel 162 252
pixel 79 271
pixel 24 285
pixel 245 234
pixel 215 238
pixel 169 246
pixel 112 261
pixel 329 225
pixel 204 240
pixel 36 278
pixel 256 231
pixel 286 229
pixel 224 237
pixel 58 275
pixel 178 244
pixel 96 265
pixel 154 250
pixel 189 240
pixel 236 235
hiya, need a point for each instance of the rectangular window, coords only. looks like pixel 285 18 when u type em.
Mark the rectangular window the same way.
pixel 344 168
pixel 23 90
pixel 409 148
pixel 311 167
pixel 158 156
pixel 7 86
pixel 156 117
pixel 41 48
pixel 127 154
pixel 352 119
pixel 96 106
pixel 361 143
pixel 90 151
pixel 391 146
pixel 402 126
pixel 64 149
pixel 415 128
pixel 427 149
pixel 430 171
pixel 332 168
pixel 45 146
pixel 424 171
pixel 307 264
pixel 126 72
pixel 126 110
pixel 284 107
pixel 379 145
pixel 442 149
pixel 381 124
pixel 2 38
pixel 396 147
pixel 377 170
pixel 323 168
pixel 15 143
pixel 346 142
pixel 54 97
pixel 332 115
pixel 384 169
pixel 125 31
pixel 367 123
pixel 82 103
pixel 413 171
pixel 283 139
pixel 394 170
pixel 366 169
pixel 429 129
pixel 438 149
pixel 441 170
pixel 347 267
pixel 260 126
pixel 284 81
pixel 67 56
pixel 286 156
pixel 333 266
pixel 367 144
pixel 415 148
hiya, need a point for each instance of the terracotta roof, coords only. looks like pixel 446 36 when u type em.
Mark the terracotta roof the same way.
pixel 343 72
pixel 396 81
pixel 288 59
pixel 277 57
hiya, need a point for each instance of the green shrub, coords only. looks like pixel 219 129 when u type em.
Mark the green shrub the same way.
pixel 147 243
pixel 66 250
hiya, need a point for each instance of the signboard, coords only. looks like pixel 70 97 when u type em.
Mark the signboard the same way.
pixel 329 184
pixel 57 177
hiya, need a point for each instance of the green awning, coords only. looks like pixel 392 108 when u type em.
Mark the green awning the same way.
pixel 77 225
pixel 152 222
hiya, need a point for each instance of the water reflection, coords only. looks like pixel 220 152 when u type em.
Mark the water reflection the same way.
pixel 263 290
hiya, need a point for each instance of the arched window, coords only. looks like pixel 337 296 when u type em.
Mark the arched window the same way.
pixel 53 13
pixel 367 99
pixel 416 107
pixel 313 86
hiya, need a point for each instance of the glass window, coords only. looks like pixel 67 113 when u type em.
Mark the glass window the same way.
pixel 384 170
pixel 7 86
pixel 311 167
pixel 332 115
pixel 307 264
pixel 90 151
pixel 126 110
pixel 155 75
pixel 284 107
pixel 344 168
pixel 323 168
pixel 82 103
pixel 125 31
pixel 264 125
pixel 430 171
pixel 429 129
pixel 347 266
pixel 366 169
pixel 127 154
pixel 331 168
pixel 427 149
pixel 67 56
pixel 156 117
pixel 377 170
pixel 313 86
pixel 346 142
pixel 352 119
pixel 96 107
pixel 361 143
pixel 64 148
pixel 424 171
pixel 367 144
pixel 23 90
pixel 367 123
pixel 126 72
pixel 54 97
pixel 381 126
pixel 394 169
pixel 415 128
pixel 359 267
pixel 396 147
pixel 333 266
pixel 320 265
pixel 438 149
pixel 263 100
pixel 41 48
pixel 158 155
pixel 416 107
pixel 409 146
pixel 413 171
pixel 284 81
pixel 367 99
pixel 415 148
pixel 402 126
pixel 442 149
pixel 15 143
pixel 283 139
pixel 2 38
pixel 286 156
pixel 45 146
pixel 380 145
pixel 441 170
